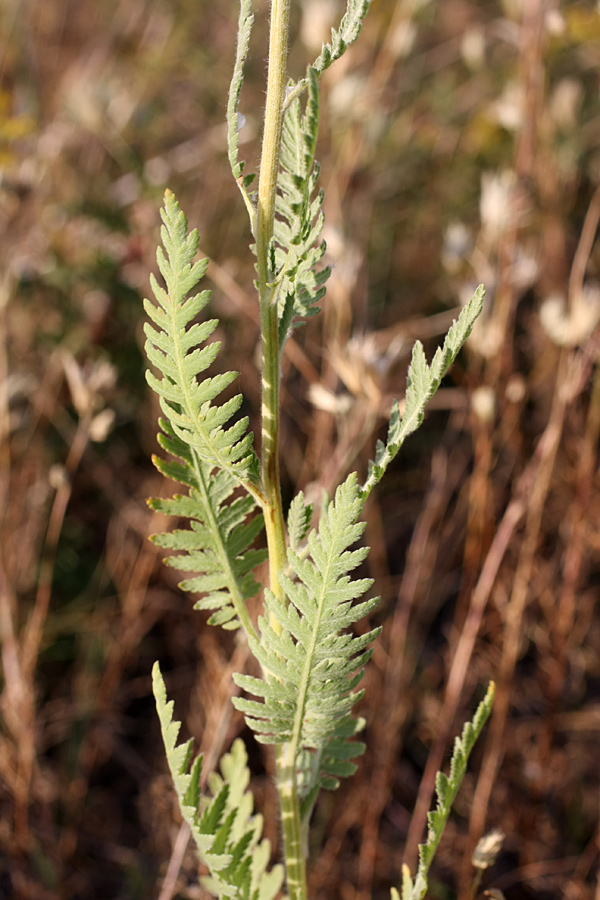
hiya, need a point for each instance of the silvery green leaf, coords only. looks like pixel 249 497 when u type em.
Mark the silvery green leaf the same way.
pixel 422 383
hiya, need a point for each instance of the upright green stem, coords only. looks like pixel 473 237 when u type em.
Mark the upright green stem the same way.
pixel 274 525
pixel 269 322
pixel 265 218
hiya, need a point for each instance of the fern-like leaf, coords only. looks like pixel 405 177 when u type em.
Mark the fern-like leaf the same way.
pixel 234 118
pixel 217 545
pixel 423 381
pixel 446 788
pixel 312 665
pixel 185 779
pixel 299 517
pixel 245 22
pixel 299 217
pixel 342 38
pixel 174 347
pixel 226 830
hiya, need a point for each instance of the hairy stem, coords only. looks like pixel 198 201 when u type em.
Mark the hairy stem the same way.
pixel 269 163
pixel 295 860
pixel 274 525
pixel 267 187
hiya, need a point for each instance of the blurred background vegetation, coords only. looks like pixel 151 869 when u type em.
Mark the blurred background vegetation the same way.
pixel 460 144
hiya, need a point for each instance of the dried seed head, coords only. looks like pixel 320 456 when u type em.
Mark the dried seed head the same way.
pixel 568 328
pixel 487 850
pixel 483 403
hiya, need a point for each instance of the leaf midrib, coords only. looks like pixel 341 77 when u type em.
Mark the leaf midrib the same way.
pixel 187 398
pixel 237 598
pixel 307 668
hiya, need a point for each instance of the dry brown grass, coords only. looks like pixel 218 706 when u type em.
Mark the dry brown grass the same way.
pixel 485 539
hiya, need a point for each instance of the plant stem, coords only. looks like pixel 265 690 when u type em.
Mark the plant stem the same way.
pixel 269 166
pixel 269 321
pixel 295 860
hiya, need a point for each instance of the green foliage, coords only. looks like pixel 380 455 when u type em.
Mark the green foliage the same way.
pixel 300 219
pixel 299 517
pixel 422 383
pixel 349 30
pixel 226 832
pixel 446 788
pixel 234 120
pixel 173 347
pixel 245 22
pixel 217 544
pixel 312 664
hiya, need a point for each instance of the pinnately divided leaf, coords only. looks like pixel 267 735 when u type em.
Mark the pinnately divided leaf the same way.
pixel 341 39
pixel 235 120
pixel 312 664
pixel 423 381
pixel 245 22
pixel 349 30
pixel 218 544
pixel 299 517
pixel 175 348
pixel 226 830
pixel 446 788
pixel 299 217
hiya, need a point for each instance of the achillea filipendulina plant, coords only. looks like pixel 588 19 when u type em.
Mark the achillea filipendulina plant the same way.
pixel 310 660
